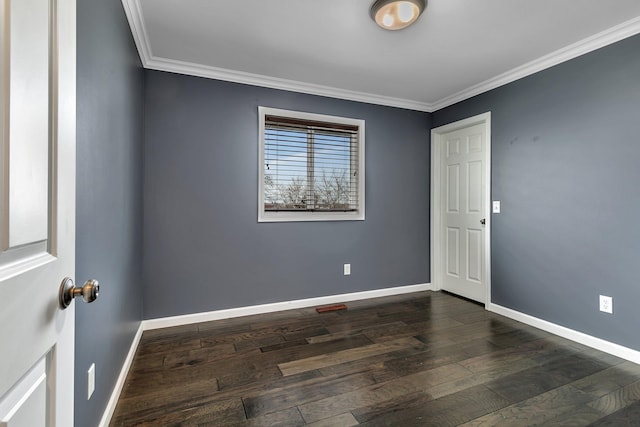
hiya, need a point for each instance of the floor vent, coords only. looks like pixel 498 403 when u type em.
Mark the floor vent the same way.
pixel 334 307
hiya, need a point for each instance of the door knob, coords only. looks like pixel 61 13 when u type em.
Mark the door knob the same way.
pixel 483 221
pixel 89 291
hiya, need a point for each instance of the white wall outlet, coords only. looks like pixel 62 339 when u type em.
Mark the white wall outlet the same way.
pixel 496 206
pixel 606 304
pixel 347 269
pixel 91 380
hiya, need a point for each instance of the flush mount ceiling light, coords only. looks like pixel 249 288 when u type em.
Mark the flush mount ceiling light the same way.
pixel 396 14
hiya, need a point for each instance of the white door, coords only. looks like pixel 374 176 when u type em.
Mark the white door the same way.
pixel 37 210
pixel 463 209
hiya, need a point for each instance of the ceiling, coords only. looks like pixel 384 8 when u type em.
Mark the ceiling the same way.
pixel 456 49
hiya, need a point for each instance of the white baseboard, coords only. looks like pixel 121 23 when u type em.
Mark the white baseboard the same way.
pixel 573 335
pixel 117 389
pixel 165 322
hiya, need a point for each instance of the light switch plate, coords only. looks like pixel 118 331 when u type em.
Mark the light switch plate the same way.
pixel 496 206
pixel 91 380
pixel 347 269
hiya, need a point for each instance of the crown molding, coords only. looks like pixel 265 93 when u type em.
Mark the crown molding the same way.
pixel 134 15
pixel 133 12
pixel 597 41
pixel 181 67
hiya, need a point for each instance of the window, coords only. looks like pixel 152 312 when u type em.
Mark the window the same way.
pixel 311 167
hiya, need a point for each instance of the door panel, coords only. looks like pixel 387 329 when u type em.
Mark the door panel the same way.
pixel 474 255
pixel 26 404
pixel 474 187
pixel 453 188
pixel 475 143
pixel 453 147
pixel 37 214
pixel 453 252
pixel 464 206
pixel 29 90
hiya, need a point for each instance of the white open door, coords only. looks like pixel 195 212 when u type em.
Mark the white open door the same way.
pixel 460 207
pixel 37 210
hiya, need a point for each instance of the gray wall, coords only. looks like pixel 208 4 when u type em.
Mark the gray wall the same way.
pixel 109 198
pixel 565 164
pixel 203 247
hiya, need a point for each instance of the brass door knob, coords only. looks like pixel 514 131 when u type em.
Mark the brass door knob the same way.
pixel 89 291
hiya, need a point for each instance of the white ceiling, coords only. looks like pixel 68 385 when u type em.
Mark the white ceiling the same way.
pixel 457 48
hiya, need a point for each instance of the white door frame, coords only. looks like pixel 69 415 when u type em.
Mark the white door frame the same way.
pixel 437 142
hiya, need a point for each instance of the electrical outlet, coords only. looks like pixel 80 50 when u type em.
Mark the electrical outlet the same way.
pixel 347 269
pixel 91 380
pixel 606 304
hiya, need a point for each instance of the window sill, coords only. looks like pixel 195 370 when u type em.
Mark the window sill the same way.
pixel 309 216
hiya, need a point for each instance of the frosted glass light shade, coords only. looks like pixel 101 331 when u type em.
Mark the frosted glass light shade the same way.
pixel 396 14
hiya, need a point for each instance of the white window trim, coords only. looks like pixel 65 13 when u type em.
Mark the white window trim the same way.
pixel 269 216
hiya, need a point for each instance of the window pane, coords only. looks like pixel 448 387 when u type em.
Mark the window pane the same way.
pixel 332 166
pixel 285 173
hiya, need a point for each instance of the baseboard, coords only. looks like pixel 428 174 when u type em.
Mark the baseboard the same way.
pixel 117 389
pixel 165 322
pixel 573 335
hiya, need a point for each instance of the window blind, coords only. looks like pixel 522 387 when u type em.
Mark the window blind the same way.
pixel 310 166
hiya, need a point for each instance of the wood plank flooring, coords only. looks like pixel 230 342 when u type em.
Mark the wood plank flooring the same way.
pixel 422 359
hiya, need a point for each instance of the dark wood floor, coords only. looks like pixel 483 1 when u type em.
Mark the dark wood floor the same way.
pixel 414 360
